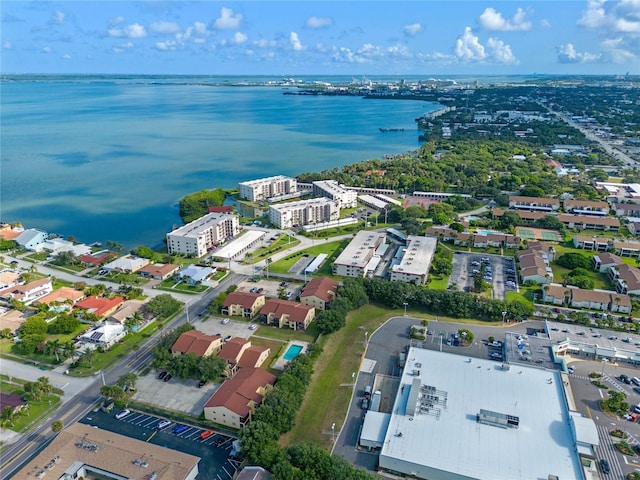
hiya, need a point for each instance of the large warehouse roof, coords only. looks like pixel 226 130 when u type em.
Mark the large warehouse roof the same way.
pixel 456 417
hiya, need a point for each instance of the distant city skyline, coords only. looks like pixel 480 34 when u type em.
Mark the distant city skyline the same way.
pixel 322 38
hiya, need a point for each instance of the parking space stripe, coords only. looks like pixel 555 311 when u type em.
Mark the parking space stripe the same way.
pixel 608 451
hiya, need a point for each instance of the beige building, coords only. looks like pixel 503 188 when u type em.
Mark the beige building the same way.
pixel 332 190
pixel 303 212
pixel 265 188
pixel 81 451
pixel 416 260
pixel 319 292
pixel 243 304
pixel 198 237
pixel 234 403
pixel 539 204
pixel 354 261
pixel 284 313
pixel 198 343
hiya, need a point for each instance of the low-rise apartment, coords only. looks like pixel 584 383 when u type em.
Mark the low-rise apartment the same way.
pixel 263 189
pixel 304 212
pixel 198 237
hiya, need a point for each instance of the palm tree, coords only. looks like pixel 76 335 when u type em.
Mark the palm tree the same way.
pixel 53 346
pixel 88 356
pixel 45 386
pixel 69 349
pixel 268 262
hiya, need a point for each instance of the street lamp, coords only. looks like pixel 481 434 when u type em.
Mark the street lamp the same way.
pixel 504 314
pixel 405 308
pixel 333 433
pixel 365 339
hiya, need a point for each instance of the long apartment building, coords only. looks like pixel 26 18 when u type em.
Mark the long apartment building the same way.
pixel 264 188
pixel 416 260
pixel 198 237
pixel 355 260
pixel 304 212
pixel 334 191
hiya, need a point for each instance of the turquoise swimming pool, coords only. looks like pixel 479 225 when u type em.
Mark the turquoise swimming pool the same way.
pixel 292 352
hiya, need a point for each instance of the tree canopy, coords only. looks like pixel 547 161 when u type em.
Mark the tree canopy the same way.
pixel 197 204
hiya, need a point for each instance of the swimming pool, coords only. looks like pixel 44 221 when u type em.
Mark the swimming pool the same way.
pixel 487 232
pixel 292 352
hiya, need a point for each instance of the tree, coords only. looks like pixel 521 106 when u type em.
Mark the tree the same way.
pixel 466 335
pixel 115 246
pixel 195 205
pixel 128 380
pixel 33 326
pixel 57 426
pixel 532 191
pixel 163 306
pixel 88 356
pixel 573 260
pixel 7 416
pixel 144 252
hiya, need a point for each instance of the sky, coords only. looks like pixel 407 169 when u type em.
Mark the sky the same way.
pixel 446 37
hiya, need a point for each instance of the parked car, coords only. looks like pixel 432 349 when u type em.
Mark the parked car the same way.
pixel 167 377
pixel 163 424
pixel 202 383
pixel 225 321
pixel 122 414
pixel 624 378
pixel 604 466
pixel 161 375
pixel 253 326
pixel 227 338
pixel 571 369
pixel 178 429
pixel 206 434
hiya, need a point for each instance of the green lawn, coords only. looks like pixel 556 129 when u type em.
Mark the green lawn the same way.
pixel 438 282
pixel 37 410
pixel 171 285
pixel 286 334
pixel 262 253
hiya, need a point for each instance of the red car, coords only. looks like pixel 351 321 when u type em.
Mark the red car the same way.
pixel 206 434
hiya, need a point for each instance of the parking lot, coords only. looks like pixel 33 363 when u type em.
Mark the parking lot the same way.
pixel 215 451
pixel 270 288
pixel 497 270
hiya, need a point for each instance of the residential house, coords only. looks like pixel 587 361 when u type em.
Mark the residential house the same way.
pixel 126 311
pixel 159 271
pixel 319 292
pixel 254 356
pixel 625 248
pixel 586 222
pixel 9 232
pixel 462 239
pixel 620 303
pixel 96 259
pixel 627 209
pixel 61 295
pixel 126 264
pixel 100 306
pixel 534 268
pixel 198 343
pixel 497 240
pixel 586 207
pixel 59 245
pixel 591 299
pixel 602 262
pixel 12 400
pixel 29 292
pixel 195 273
pixel 12 319
pixel 539 204
pixel 9 278
pixel 31 239
pixel 556 294
pixel 104 334
pixel 526 216
pixel 545 249
pixel 444 234
pixel 245 304
pixel 284 313
pixel 625 278
pixel 234 403
pixel 588 242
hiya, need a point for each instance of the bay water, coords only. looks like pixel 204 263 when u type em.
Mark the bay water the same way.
pixel 108 159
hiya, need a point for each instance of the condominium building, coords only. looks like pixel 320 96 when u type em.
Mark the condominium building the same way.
pixel 359 258
pixel 265 188
pixel 416 260
pixel 339 193
pixel 201 235
pixel 304 212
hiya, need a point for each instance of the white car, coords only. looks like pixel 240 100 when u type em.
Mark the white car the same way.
pixel 163 424
pixel 571 369
pixel 225 321
pixel 122 414
pixel 253 326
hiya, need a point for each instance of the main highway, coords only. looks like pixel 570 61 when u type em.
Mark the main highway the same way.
pixel 82 395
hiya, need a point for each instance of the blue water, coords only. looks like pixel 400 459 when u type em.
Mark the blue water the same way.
pixel 292 352
pixel 110 159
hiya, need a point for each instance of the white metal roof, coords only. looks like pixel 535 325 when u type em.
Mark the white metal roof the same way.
pixel 374 428
pixel 239 244
pixel 450 439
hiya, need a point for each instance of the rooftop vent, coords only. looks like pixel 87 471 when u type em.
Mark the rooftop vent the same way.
pixel 497 419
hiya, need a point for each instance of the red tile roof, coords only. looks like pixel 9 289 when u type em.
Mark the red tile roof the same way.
pixel 297 312
pixel 97 258
pixel 322 287
pixel 61 295
pixel 159 269
pixel 221 209
pixel 232 348
pixel 195 342
pixel 246 299
pixel 251 356
pixel 238 392
pixel 100 305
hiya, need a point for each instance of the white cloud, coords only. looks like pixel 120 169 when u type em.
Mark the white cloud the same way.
pixel 413 29
pixel 468 47
pixel 264 43
pixel 227 19
pixel 544 23
pixel 239 38
pixel 168 46
pixel 46 50
pixel 612 17
pixel 370 53
pixel 295 42
pixel 500 52
pixel 164 27
pixel 492 20
pixel 319 22
pixel 615 50
pixel 58 17
pixel 116 20
pixel 7 45
pixel 66 56
pixel 568 54
pixel 135 30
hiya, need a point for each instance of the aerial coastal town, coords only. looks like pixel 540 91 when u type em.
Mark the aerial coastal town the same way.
pixel 467 310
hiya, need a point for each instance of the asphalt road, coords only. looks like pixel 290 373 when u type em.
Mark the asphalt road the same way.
pixel 83 397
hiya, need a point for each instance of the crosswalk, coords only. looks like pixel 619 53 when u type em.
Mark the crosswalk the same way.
pixel 607 450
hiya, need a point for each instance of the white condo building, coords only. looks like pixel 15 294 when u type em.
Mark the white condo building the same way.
pixel 416 260
pixel 304 212
pixel 198 237
pixel 359 258
pixel 264 188
pixel 336 192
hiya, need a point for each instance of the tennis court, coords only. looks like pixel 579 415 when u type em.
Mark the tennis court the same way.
pixel 538 234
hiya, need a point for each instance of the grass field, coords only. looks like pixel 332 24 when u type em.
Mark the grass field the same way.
pixel 322 246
